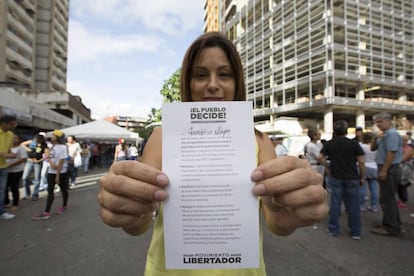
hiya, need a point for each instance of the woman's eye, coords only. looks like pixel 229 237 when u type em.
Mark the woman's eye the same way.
pixel 201 75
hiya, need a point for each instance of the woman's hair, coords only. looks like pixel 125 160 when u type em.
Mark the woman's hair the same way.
pixel 192 57
pixel 73 138
pixel 312 132
pixel 367 137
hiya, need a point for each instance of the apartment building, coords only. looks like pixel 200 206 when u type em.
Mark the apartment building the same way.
pixel 33 59
pixel 324 60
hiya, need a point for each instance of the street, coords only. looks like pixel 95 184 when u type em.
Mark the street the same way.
pixel 78 243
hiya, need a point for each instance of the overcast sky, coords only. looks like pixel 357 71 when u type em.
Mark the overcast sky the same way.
pixel 121 51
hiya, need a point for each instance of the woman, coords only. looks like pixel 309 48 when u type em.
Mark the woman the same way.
pixel 120 153
pixel 371 174
pixel 291 192
pixel 57 174
pixel 15 167
pixel 74 152
pixel 406 161
pixel 86 154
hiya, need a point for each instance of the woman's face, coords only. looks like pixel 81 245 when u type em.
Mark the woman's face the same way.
pixel 213 77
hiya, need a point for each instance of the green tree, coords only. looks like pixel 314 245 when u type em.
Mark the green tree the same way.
pixel 171 88
pixel 171 93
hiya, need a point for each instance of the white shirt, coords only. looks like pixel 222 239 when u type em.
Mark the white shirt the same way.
pixel 369 156
pixel 21 152
pixel 58 152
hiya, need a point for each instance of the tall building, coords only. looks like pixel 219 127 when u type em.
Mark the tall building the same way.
pixel 33 61
pixel 212 15
pixel 324 60
pixel 33 53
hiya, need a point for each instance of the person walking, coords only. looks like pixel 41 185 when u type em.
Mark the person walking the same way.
pixel 344 154
pixel 7 123
pixel 58 160
pixel 388 144
pixel 15 167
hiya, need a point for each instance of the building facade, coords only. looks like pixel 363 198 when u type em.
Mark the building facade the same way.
pixel 33 58
pixel 324 60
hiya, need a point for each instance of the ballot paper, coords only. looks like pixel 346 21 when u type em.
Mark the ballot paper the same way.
pixel 211 217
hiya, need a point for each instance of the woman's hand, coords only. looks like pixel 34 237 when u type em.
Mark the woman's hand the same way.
pixel 291 192
pixel 129 194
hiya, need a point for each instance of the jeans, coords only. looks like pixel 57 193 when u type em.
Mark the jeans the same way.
pixel 72 173
pixel 371 183
pixel 43 175
pixel 3 183
pixel 391 220
pixel 348 191
pixel 85 163
pixel 28 167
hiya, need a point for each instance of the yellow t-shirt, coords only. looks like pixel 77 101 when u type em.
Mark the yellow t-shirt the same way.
pixel 155 265
pixel 6 142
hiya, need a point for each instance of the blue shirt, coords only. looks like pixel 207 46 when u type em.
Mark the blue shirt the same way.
pixel 391 142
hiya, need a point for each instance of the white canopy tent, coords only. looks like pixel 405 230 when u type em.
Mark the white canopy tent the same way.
pixel 102 131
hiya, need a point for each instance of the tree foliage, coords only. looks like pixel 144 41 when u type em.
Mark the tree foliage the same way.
pixel 171 93
pixel 171 88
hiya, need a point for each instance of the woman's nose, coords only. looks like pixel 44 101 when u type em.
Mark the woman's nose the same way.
pixel 212 84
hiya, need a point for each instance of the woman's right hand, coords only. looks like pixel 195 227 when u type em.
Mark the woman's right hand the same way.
pixel 129 194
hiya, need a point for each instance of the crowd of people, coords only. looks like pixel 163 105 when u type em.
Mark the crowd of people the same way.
pixel 379 160
pixel 45 164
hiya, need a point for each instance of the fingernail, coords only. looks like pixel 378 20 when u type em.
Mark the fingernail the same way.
pixel 259 189
pixel 257 175
pixel 162 180
pixel 160 195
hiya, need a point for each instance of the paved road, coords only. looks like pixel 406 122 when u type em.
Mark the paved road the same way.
pixel 78 243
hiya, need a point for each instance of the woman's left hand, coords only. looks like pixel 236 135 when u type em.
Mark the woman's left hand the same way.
pixel 292 194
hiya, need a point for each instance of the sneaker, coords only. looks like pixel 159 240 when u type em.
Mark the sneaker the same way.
pixel 356 237
pixel 57 189
pixel 402 205
pixel 34 198
pixel 61 210
pixel 382 232
pixel 331 234
pixel 42 216
pixel 373 209
pixel 6 216
pixel 72 185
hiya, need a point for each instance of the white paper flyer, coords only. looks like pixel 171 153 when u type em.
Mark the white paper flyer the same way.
pixel 211 218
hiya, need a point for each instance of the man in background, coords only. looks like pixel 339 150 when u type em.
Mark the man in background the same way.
pixel 388 144
pixel 7 123
pixel 346 178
